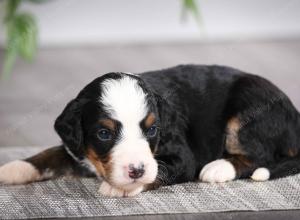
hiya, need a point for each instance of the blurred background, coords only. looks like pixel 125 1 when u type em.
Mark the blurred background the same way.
pixel 51 49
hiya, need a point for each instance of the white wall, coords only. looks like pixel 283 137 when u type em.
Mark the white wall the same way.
pixel 66 22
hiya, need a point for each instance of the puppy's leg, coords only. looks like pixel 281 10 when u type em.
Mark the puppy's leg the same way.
pixel 237 163
pixel 19 172
pixel 109 190
pixel 51 163
pixel 223 170
pixel 218 171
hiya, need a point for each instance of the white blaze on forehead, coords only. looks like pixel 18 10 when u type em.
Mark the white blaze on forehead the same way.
pixel 126 102
pixel 124 99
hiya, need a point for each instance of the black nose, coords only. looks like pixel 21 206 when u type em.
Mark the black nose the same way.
pixel 136 172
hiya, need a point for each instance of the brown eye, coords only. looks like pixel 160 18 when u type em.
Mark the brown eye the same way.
pixel 104 135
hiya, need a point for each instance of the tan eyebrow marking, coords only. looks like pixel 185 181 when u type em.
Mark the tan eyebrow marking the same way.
pixel 149 121
pixel 108 123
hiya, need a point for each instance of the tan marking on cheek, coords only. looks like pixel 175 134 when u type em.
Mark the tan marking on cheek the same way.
pixel 150 120
pixel 93 157
pixel 108 123
pixel 107 164
pixel 233 145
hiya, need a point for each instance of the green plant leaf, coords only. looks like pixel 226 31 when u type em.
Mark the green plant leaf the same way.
pixel 21 35
pixel 11 51
pixel 192 7
pixel 11 8
pixel 27 30
pixel 21 40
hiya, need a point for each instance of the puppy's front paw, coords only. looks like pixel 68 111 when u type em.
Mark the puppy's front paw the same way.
pixel 108 190
pixel 18 172
pixel 217 171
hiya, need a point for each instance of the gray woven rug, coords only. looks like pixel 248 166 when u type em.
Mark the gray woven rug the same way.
pixel 79 198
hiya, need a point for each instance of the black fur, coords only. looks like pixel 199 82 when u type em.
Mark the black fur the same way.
pixel 201 100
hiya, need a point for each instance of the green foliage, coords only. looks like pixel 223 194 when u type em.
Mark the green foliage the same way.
pixel 21 36
pixel 21 32
pixel 192 7
pixel 11 8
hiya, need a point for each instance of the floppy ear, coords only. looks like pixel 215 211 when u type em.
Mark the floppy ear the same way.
pixel 168 114
pixel 163 109
pixel 69 128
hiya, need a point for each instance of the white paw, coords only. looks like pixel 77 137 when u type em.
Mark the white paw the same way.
pixel 261 174
pixel 217 171
pixel 18 172
pixel 107 190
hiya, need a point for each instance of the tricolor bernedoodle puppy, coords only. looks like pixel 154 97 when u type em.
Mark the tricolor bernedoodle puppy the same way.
pixel 185 123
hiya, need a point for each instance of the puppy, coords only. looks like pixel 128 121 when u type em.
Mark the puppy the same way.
pixel 139 132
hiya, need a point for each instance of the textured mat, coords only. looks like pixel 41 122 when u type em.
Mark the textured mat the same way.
pixel 79 197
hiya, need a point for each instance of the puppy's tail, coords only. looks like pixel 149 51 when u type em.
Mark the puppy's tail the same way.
pixel 285 167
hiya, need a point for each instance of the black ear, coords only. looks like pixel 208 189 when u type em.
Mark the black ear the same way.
pixel 163 109
pixel 169 117
pixel 69 128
